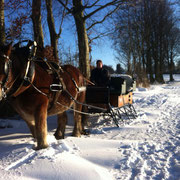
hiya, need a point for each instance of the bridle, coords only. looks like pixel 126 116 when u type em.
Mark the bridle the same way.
pixel 6 71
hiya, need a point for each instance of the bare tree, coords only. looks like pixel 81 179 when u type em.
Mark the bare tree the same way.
pixel 37 26
pixel 54 36
pixel 143 34
pixel 2 24
pixel 82 11
pixel 17 18
pixel 173 49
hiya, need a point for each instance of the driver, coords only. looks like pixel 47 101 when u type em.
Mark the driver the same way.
pixel 99 75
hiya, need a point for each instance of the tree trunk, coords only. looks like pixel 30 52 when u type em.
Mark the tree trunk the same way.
pixel 53 35
pixel 149 66
pixel 2 24
pixel 37 26
pixel 161 58
pixel 129 66
pixel 171 67
pixel 83 44
pixel 156 63
pixel 149 59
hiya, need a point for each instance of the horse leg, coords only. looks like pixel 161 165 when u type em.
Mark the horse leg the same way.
pixel 84 121
pixel 62 120
pixel 29 119
pixel 31 126
pixel 41 124
pixel 78 129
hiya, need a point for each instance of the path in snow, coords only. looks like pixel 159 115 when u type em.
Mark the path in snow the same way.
pixel 156 154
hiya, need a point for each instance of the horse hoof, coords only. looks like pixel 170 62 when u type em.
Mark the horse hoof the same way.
pixel 40 147
pixel 58 137
pixel 76 134
pixel 85 132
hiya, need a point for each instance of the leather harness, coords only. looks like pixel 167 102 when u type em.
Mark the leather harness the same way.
pixel 56 87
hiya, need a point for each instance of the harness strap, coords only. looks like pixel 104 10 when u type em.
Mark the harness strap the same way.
pixel 61 85
pixel 73 80
pixel 79 89
pixel 5 56
pixel 82 88
pixel 25 79
pixel 27 70
pixel 38 90
pixel 89 114
pixel 7 66
pixel 58 84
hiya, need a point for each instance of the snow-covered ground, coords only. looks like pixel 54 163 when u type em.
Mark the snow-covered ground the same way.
pixel 145 148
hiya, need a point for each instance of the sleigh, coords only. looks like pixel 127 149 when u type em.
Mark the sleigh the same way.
pixel 115 101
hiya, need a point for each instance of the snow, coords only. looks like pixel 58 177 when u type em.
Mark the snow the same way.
pixel 144 148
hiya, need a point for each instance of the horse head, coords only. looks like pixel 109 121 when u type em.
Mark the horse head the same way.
pixel 5 68
pixel 17 71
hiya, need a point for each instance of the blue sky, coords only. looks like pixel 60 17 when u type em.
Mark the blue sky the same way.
pixel 105 52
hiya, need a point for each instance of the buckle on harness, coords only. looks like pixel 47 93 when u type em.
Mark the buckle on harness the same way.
pixel 56 87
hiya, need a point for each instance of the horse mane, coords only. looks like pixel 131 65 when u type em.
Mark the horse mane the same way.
pixel 21 54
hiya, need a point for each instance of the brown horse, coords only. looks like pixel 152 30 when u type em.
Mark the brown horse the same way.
pixel 30 86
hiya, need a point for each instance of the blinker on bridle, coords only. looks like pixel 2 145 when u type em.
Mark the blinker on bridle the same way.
pixel 7 66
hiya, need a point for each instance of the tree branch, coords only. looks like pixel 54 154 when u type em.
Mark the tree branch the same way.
pixel 65 6
pixel 101 7
pixel 86 6
pixel 107 15
pixel 99 36
pixel 63 16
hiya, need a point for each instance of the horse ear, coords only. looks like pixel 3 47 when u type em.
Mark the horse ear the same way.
pixel 9 48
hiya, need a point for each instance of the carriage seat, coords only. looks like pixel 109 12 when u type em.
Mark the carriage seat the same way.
pixel 99 97
pixel 117 86
pixel 122 84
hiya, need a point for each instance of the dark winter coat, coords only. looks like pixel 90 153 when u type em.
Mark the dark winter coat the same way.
pixel 100 77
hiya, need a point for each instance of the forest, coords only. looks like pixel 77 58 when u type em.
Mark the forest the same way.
pixel 145 34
